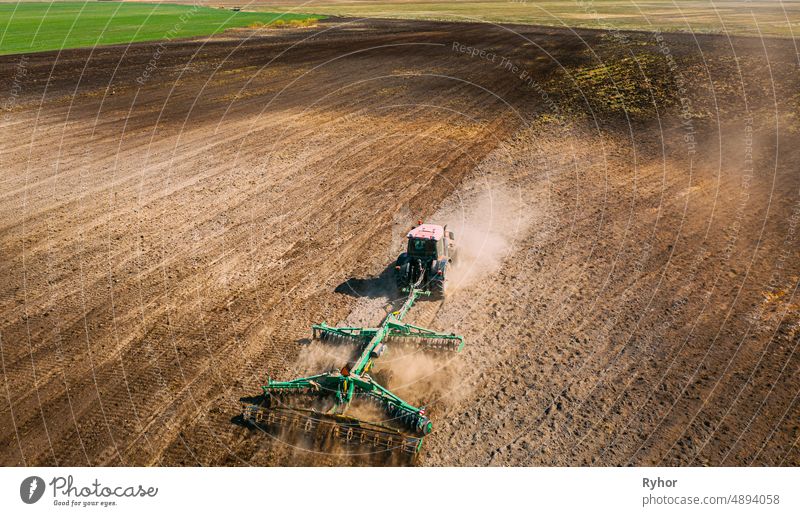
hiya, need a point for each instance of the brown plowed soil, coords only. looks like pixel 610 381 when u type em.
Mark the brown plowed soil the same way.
pixel 627 205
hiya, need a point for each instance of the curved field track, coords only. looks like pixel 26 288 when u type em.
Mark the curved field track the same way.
pixel 174 217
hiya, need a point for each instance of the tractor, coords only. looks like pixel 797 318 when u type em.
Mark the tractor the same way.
pixel 319 406
pixel 431 249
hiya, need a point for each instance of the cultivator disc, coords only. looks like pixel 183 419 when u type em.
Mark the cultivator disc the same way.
pixel 316 406
pixel 398 333
pixel 341 336
pixel 422 338
pixel 344 430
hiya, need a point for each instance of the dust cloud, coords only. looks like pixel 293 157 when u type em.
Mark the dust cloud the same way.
pixel 486 221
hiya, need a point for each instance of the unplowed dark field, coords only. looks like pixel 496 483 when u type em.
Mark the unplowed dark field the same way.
pixel 173 219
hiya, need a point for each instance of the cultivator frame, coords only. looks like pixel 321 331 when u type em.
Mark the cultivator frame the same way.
pixel 353 381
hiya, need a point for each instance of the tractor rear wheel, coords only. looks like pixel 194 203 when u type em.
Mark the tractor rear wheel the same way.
pixel 438 288
pixel 402 277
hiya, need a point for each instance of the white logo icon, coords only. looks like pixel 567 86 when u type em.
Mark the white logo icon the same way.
pixel 31 489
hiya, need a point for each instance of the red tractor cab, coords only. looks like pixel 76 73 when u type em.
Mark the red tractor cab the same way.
pixel 431 249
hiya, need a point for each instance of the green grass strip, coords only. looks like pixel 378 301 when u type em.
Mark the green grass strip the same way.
pixel 38 26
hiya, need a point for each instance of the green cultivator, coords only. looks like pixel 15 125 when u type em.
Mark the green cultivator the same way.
pixel 330 396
